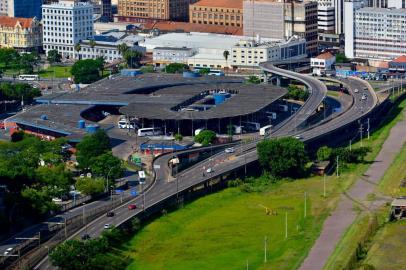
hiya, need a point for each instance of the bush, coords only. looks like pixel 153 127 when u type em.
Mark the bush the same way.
pixel 178 137
pixel 297 93
pixel 176 68
pixel 90 186
pixel 324 153
pixel 253 80
pixel 87 71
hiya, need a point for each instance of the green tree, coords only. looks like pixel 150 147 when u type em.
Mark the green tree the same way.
pixel 77 48
pixel 205 137
pixel 92 146
pixel 86 71
pixel 39 200
pixel 90 186
pixel 297 93
pixel 107 165
pixel 178 137
pixel 253 80
pixel 147 69
pixel 284 157
pixel 54 57
pixel 230 130
pixel 132 58
pixel 324 153
pixel 55 177
pixel 122 49
pixel 226 54
pixel 176 68
pixel 8 56
pixel 341 58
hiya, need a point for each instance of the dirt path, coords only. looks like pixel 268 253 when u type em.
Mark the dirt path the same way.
pixel 344 215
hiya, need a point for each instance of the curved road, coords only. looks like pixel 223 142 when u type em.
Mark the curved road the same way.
pixel 165 187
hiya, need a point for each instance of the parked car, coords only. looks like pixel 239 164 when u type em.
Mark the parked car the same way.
pixel 85 236
pixel 132 207
pixel 230 150
pixel 107 226
pixel 8 251
pixel 364 97
pixel 356 90
pixel 110 214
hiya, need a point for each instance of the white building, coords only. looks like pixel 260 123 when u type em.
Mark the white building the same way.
pixel 322 63
pixel 247 54
pixel 377 34
pixel 167 55
pixel 349 12
pixel 65 24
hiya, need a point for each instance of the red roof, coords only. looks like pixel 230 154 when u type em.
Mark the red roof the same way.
pixel 219 3
pixel 326 55
pixel 400 59
pixel 168 26
pixel 12 22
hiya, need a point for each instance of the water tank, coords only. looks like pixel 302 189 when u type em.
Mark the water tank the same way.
pixel 219 98
pixel 92 128
pixel 81 124
pixel 189 74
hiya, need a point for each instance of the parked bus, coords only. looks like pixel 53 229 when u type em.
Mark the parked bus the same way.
pixel 265 130
pixel 216 72
pixel 141 177
pixel 28 77
pixel 143 132
pixel 251 126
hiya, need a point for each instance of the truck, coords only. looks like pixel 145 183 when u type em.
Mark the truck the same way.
pixel 265 130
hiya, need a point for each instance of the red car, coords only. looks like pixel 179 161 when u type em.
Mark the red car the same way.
pixel 132 206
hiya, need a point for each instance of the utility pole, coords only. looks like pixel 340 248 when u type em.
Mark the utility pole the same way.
pixel 337 167
pixel 368 128
pixel 324 186
pixel 350 144
pixel 265 243
pixel 305 204
pixel 361 130
pixel 286 224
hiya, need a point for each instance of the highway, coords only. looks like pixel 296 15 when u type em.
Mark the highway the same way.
pixel 165 186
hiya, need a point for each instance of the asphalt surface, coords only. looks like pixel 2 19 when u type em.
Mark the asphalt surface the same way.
pixel 166 186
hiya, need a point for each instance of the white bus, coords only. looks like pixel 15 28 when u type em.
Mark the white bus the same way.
pixel 141 177
pixel 216 72
pixel 265 130
pixel 143 132
pixel 251 126
pixel 28 77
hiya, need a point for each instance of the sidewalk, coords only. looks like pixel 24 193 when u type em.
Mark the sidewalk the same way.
pixel 344 215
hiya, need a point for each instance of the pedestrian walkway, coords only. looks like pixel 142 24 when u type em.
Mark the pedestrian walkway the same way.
pixel 344 215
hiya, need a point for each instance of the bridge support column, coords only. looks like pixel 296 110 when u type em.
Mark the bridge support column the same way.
pixel 278 81
pixel 266 77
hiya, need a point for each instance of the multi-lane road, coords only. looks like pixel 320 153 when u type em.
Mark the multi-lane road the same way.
pixel 166 186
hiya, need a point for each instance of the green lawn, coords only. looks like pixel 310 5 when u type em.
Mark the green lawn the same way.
pixel 56 71
pixel 226 229
pixel 388 247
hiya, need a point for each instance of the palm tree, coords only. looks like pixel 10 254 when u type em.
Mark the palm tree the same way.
pixel 225 55
pixel 92 44
pixel 78 48
pixel 122 49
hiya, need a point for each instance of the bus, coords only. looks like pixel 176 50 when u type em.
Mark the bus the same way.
pixel 143 132
pixel 141 177
pixel 216 72
pixel 251 126
pixel 28 77
pixel 265 130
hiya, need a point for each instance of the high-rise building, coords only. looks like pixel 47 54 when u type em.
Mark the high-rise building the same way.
pixel 217 12
pixel 3 7
pixel 65 24
pixel 376 33
pixel 152 10
pixel 282 19
pixel 24 8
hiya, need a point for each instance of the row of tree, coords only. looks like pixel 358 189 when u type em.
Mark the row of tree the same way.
pixel 18 91
pixel 24 62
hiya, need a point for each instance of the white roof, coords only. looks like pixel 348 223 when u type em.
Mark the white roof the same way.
pixel 194 40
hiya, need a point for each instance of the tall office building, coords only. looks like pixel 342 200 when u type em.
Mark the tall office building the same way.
pixel 376 33
pixel 153 10
pixel 24 8
pixel 65 24
pixel 3 7
pixel 282 19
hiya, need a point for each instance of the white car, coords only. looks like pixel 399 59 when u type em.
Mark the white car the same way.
pixel 364 97
pixel 8 251
pixel 230 150
pixel 299 137
pixel 356 90
pixel 209 170
pixel 107 226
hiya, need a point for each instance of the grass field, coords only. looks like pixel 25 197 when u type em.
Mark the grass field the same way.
pixel 226 230
pixel 388 247
pixel 57 71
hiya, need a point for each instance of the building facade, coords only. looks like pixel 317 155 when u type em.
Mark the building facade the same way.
pixel 378 33
pixel 322 63
pixel 24 8
pixel 3 7
pixel 103 7
pixel 65 24
pixel 281 20
pixel 217 12
pixel 167 55
pixel 247 54
pixel 23 34
pixel 151 10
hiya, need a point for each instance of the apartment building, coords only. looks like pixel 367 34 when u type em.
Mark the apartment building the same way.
pixel 217 12
pixel 281 20
pixel 65 24
pixel 377 33
pixel 152 10
pixel 23 34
